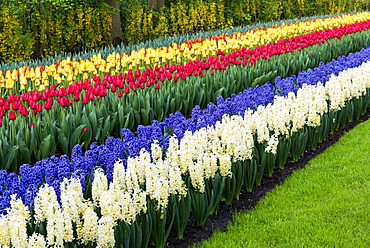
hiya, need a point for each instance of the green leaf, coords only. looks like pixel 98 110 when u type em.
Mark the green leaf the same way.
pixel 24 150
pixel 144 117
pixel 1 152
pixel 128 121
pixel 45 147
pixel 264 78
pixel 63 141
pixel 76 136
pixel 106 128
pixel 10 156
pixel 218 92
pixel 137 117
pixel 93 120
pixel 135 102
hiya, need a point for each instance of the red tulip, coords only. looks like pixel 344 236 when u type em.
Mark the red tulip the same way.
pixel 85 100
pixel 113 88
pixel 32 125
pixel 102 92
pixel 169 76
pixel 157 86
pixel 48 103
pixel 38 107
pixel 161 77
pixel 120 93
pixel 23 110
pixel 12 115
pixel 76 98
pixel 127 89
pixel 15 105
pixel 36 95
pixel 64 102
pixel 6 105
pixel 25 96
pixel 32 104
pixel 90 95
pixel 84 129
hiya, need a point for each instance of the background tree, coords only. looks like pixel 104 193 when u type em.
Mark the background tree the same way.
pixel 116 30
pixel 156 4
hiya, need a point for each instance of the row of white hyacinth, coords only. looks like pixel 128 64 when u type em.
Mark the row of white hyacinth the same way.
pixel 200 155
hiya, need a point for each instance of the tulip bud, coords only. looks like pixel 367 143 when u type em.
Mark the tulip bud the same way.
pixel 32 125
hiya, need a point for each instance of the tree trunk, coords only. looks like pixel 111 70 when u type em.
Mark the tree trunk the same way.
pixel 157 4
pixel 116 30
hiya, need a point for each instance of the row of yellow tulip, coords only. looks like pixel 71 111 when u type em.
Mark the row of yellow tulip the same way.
pixel 69 70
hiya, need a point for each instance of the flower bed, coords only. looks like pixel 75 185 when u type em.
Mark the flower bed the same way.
pixel 93 109
pixel 147 184
pixel 68 71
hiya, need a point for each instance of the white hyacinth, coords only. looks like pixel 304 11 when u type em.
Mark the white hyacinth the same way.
pixel 105 237
pixel 99 185
pixel 87 230
pixel 18 215
pixel 4 231
pixel 36 241
pixel 72 198
pixel 46 204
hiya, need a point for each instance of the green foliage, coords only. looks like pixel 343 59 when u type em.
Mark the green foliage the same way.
pixel 43 28
pixel 35 29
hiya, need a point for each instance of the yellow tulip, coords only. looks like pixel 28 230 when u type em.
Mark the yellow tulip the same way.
pixel 9 83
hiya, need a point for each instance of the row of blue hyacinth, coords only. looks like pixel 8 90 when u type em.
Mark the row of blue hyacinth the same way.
pixel 81 164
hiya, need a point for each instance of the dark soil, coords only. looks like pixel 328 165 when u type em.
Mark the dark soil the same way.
pixel 248 200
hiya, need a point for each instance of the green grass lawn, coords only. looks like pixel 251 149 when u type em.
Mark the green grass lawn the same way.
pixel 326 204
